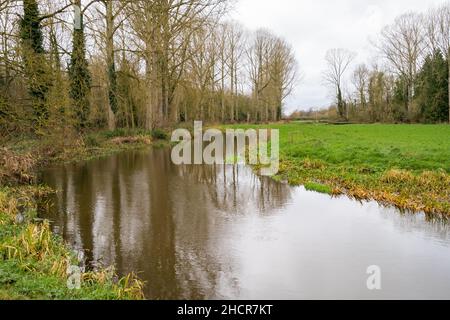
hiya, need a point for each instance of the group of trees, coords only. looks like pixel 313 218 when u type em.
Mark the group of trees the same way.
pixel 412 82
pixel 135 63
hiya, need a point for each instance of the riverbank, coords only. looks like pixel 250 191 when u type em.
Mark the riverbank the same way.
pixel 407 166
pixel 403 165
pixel 33 261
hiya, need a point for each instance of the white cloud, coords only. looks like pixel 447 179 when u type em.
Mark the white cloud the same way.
pixel 314 26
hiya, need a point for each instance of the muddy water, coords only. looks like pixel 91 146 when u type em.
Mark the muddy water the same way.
pixel 204 232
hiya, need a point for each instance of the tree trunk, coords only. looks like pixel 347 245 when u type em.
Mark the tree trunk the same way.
pixel 111 69
pixel 341 104
pixel 149 110
pixel 222 92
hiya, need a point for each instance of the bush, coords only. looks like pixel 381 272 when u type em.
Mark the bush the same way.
pixel 116 133
pixel 91 141
pixel 158 134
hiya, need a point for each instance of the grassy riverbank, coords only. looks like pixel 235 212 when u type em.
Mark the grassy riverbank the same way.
pixel 403 165
pixel 33 261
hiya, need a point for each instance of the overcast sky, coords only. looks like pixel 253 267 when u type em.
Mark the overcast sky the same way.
pixel 314 26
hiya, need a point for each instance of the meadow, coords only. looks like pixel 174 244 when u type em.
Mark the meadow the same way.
pixel 403 165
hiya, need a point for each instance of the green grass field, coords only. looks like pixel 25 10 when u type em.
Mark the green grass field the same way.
pixel 404 165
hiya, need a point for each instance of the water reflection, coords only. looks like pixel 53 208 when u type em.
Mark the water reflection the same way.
pixel 141 213
pixel 199 232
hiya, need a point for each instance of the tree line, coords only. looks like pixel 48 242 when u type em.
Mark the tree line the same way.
pixel 135 64
pixel 408 83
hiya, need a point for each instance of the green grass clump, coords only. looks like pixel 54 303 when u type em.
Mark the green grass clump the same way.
pixel 318 187
pixel 158 134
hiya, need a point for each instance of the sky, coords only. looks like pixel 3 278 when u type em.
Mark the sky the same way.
pixel 314 26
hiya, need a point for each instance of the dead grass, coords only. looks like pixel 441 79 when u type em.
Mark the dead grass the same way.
pixel 313 164
pixel 397 176
pixel 16 167
pixel 132 140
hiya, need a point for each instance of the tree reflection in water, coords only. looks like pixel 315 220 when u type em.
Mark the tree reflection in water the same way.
pixel 169 223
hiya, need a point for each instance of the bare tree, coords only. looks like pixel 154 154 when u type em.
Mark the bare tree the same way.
pixel 235 51
pixel 175 59
pixel 8 39
pixel 283 74
pixel 256 70
pixel 165 28
pixel 438 34
pixel 107 17
pixel 360 81
pixel 338 62
pixel 402 44
pixel 272 70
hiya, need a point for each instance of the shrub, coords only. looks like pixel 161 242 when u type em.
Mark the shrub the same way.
pixel 158 134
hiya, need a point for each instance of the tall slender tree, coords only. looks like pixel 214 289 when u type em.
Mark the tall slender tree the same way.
pixel 80 78
pixel 402 46
pixel 35 64
pixel 338 61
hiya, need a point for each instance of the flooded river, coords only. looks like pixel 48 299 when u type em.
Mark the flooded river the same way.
pixel 213 232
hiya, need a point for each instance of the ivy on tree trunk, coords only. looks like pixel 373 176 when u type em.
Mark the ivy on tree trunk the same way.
pixel 35 64
pixel 80 79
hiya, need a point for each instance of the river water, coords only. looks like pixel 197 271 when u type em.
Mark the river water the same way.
pixel 221 232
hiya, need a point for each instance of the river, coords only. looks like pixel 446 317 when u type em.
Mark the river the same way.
pixel 222 232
